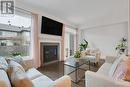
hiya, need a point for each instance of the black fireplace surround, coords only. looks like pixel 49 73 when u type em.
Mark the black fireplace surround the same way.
pixel 49 52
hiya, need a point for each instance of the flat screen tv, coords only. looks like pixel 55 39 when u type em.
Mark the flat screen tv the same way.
pixel 50 26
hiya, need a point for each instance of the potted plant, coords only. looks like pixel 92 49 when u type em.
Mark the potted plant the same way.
pixel 83 45
pixel 77 55
pixel 122 45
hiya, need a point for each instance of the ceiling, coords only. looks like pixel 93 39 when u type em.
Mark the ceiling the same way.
pixel 83 13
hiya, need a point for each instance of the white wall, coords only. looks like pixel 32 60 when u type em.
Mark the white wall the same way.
pixel 105 37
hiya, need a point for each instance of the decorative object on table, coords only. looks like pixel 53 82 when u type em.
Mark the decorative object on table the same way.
pixel 77 55
pixel 122 46
pixel 83 45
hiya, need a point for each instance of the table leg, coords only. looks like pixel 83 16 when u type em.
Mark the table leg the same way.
pixel 89 65
pixel 76 73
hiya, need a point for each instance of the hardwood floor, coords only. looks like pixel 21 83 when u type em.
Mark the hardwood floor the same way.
pixel 57 69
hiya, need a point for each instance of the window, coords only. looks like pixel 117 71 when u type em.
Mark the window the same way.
pixel 15 34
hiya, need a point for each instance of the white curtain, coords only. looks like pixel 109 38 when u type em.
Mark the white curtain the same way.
pixel 62 44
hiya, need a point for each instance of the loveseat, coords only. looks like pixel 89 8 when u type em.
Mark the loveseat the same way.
pixel 31 76
pixel 104 76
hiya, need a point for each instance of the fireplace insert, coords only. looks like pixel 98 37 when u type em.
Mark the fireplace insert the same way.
pixel 50 52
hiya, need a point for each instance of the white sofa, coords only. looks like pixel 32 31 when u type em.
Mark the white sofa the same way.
pixel 101 78
pixel 37 78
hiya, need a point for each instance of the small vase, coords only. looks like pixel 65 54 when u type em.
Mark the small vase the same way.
pixel 77 59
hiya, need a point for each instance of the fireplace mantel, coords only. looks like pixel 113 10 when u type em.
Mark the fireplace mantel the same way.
pixel 50 38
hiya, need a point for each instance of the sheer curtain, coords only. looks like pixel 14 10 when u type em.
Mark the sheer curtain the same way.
pixel 35 41
pixel 62 44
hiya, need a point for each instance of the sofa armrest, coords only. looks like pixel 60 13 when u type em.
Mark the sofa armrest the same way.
pixel 4 80
pixel 97 80
pixel 110 59
pixel 64 81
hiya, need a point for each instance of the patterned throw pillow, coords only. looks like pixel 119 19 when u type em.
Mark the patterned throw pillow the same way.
pixel 115 64
pixel 122 71
pixel 3 63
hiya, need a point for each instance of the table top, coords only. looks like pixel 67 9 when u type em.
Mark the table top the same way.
pixel 75 62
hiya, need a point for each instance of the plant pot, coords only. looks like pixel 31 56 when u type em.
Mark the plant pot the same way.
pixel 122 50
pixel 77 59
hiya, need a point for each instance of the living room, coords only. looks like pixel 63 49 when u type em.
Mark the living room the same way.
pixel 65 43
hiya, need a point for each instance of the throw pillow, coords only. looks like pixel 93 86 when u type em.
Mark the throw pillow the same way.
pixel 19 60
pixel 87 52
pixel 123 71
pixel 15 64
pixel 19 78
pixel 3 63
pixel 93 52
pixel 10 68
pixel 83 54
pixel 115 64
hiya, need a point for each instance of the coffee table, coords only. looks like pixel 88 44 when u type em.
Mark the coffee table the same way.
pixel 76 65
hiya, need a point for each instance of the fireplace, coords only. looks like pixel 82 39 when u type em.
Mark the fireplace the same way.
pixel 49 52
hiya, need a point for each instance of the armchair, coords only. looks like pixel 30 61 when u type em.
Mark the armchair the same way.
pixel 92 54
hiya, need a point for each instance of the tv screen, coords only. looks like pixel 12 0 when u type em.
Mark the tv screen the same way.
pixel 50 26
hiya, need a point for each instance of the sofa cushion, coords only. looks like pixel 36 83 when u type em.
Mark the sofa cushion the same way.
pixel 19 78
pixel 123 71
pixel 91 58
pixel 43 81
pixel 104 69
pixel 94 51
pixel 3 63
pixel 4 81
pixel 33 73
